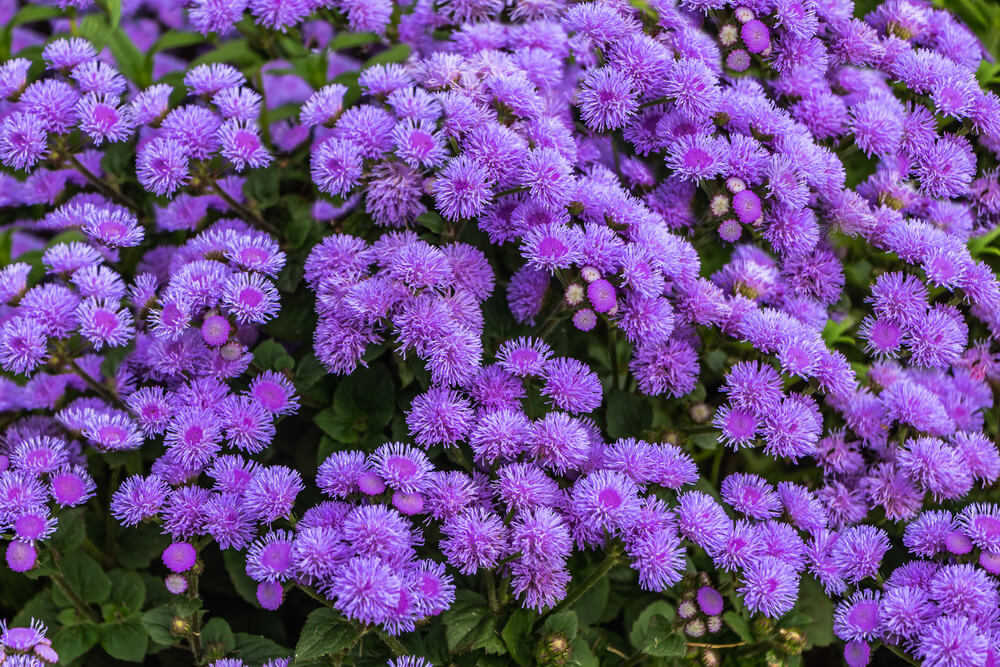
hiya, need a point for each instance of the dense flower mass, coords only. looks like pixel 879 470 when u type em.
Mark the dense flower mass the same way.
pixel 498 331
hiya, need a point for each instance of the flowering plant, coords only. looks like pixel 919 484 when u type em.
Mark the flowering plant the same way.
pixel 498 332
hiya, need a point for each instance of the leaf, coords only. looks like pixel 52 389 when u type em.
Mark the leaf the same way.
pixel 350 40
pixel 367 394
pixel 236 568
pixel 85 577
pixel 70 532
pixel 143 544
pixel 582 655
pixel 217 631
pixel 396 54
pixel 464 616
pixel 516 635
pixel 338 427
pixel 176 39
pixel 157 623
pixel 126 640
pixel 979 244
pixel 255 649
pixel 115 12
pixel 235 52
pixel 324 633
pixel 565 622
pixel 739 625
pixel 127 589
pixel 641 625
pixel 590 607
pixel 661 640
pixel 628 414
pixel 814 603
pixel 72 641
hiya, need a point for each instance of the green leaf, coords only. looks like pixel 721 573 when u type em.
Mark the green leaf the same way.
pixel 367 394
pixel 814 603
pixel 640 627
pixel 350 40
pixel 127 589
pixel 85 577
pixel 591 606
pixel 254 649
pixel 235 52
pixel 265 355
pixel 516 635
pixel 979 244
pixel 115 12
pixel 176 39
pixel 396 54
pixel 661 640
pixel 739 625
pixel 72 641
pixel 582 655
pixel 628 414
pixel 138 548
pixel 323 634
pixel 218 632
pixel 462 619
pixel 236 568
pixel 70 533
pixel 565 622
pixel 157 623
pixel 126 640
pixel 338 427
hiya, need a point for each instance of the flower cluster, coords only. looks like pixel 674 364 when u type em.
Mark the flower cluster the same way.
pixel 701 286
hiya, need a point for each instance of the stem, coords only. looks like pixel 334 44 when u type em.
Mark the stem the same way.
pixel 613 355
pixel 314 595
pixel 609 562
pixel 633 659
pixel 110 191
pixel 194 638
pixel 510 191
pixel 491 590
pixel 717 463
pixel 94 385
pixel 901 654
pixel 78 602
pixel 394 644
pixel 243 211
pixel 550 321
pixel 96 553
pixel 697 645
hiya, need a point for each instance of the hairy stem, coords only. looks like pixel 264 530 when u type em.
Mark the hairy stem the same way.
pixel 78 602
pixel 609 562
pixel 244 212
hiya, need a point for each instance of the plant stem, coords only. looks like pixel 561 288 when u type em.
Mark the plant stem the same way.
pixel 717 463
pixel 394 644
pixel 243 211
pixel 110 191
pixel 94 385
pixel 613 356
pixel 491 590
pixel 609 562
pixel 78 602
pixel 194 638
pixel 901 654
pixel 633 659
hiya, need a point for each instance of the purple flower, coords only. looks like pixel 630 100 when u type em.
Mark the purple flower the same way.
pixel 241 145
pixel 770 586
pixel 858 617
pixel 756 36
pixel 23 140
pixel 607 99
pixel 162 166
pixel 365 589
pixel 463 189
pixel 138 498
pixel 474 539
pixel 271 493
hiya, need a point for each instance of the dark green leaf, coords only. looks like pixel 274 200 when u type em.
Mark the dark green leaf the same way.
pixel 367 394
pixel 396 54
pixel 338 427
pixel 236 567
pixel 582 655
pixel 176 39
pixel 629 414
pixel 127 589
pixel 350 40
pixel 157 623
pixel 462 619
pixel 73 641
pixel 140 545
pixel 738 625
pixel 70 533
pixel 591 606
pixel 235 52
pixel 661 640
pixel 266 354
pixel 218 632
pixel 564 622
pixel 254 649
pixel 814 603
pixel 516 634
pixel 323 634
pixel 640 627
pixel 126 640
pixel 85 577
